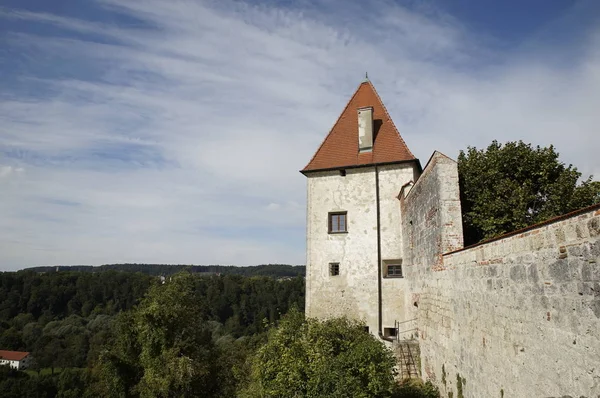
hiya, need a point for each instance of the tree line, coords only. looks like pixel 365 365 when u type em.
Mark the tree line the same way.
pixel 272 270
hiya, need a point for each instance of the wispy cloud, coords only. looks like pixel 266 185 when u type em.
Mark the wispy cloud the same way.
pixel 178 128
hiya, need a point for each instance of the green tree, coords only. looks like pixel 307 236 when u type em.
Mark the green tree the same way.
pixel 71 383
pixel 311 358
pixel 163 348
pixel 511 186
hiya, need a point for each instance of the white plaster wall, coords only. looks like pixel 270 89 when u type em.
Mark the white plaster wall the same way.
pixel 391 180
pixel 354 292
pixel 12 364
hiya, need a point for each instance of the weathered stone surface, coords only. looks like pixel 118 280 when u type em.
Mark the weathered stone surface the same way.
pixel 594 226
pixel 532 330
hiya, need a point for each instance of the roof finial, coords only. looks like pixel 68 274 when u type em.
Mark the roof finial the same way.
pixel 366 76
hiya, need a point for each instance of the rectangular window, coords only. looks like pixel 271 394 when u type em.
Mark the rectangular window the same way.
pixel 392 268
pixel 394 271
pixel 337 222
pixel 389 332
pixel 334 269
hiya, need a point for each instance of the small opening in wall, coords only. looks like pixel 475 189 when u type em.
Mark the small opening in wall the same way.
pixel 343 173
pixel 389 332
pixel 416 304
pixel 392 268
pixel 334 269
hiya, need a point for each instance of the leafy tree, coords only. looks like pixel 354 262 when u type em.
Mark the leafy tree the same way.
pixel 511 186
pixel 311 358
pixel 11 340
pixel 72 383
pixel 50 352
pixel 163 349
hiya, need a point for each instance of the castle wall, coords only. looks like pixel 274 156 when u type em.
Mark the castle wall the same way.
pixel 354 292
pixel 431 224
pixel 516 317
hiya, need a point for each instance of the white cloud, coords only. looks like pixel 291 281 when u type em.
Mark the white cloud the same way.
pixel 7 171
pixel 179 138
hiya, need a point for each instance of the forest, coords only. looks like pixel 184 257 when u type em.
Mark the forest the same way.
pixel 190 334
pixel 67 319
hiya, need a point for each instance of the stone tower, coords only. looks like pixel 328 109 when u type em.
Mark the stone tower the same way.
pixel 354 228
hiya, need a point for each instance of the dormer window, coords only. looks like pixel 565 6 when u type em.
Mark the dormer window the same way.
pixel 365 129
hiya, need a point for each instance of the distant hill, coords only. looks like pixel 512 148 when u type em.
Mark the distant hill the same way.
pixel 272 270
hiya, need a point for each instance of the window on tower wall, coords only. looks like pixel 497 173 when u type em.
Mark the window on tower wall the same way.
pixel 334 269
pixel 393 268
pixel 337 223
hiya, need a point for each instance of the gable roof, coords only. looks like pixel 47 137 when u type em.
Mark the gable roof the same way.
pixel 13 355
pixel 340 147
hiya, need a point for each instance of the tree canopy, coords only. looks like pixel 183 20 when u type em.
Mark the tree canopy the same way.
pixel 163 348
pixel 510 186
pixel 311 358
pixel 68 319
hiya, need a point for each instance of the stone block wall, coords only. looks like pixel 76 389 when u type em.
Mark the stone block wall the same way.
pixel 515 317
pixel 431 215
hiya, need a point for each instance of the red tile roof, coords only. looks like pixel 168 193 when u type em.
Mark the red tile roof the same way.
pixel 340 147
pixel 13 355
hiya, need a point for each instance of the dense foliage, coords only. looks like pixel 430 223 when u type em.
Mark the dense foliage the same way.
pixel 330 358
pixel 333 358
pixel 163 348
pixel 272 270
pixel 511 186
pixel 66 319
pixel 119 334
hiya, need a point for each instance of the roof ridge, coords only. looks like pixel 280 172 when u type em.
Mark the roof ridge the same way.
pixel 389 117
pixel 336 121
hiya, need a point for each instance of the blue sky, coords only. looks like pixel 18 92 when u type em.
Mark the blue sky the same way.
pixel 173 132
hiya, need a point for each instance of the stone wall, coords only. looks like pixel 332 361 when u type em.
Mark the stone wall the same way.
pixel 515 317
pixel 431 224
pixel 431 221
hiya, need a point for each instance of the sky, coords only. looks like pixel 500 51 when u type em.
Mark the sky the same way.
pixel 155 131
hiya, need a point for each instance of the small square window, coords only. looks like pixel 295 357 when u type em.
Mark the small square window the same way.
pixel 389 332
pixel 393 268
pixel 334 269
pixel 337 223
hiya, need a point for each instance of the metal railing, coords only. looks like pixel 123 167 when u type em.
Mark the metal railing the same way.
pixel 408 327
